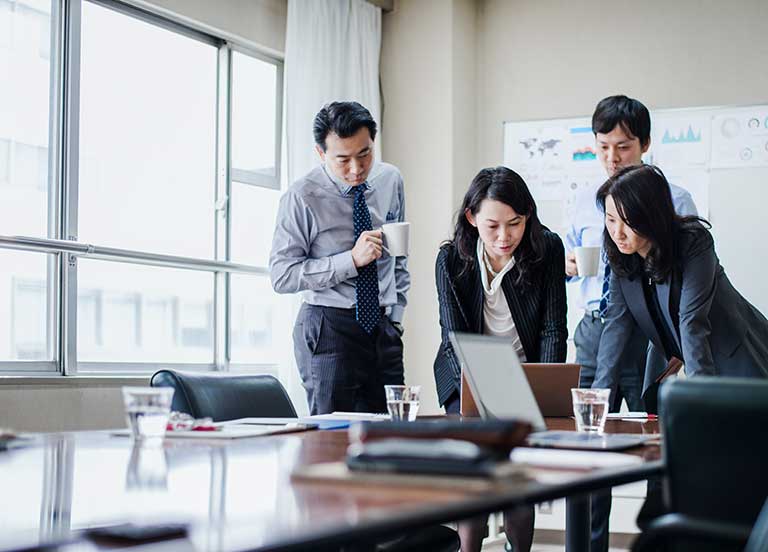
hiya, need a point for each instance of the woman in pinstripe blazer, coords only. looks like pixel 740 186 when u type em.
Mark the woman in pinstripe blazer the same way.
pixel 502 274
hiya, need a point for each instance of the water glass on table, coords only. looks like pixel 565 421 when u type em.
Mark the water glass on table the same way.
pixel 147 410
pixel 590 408
pixel 402 402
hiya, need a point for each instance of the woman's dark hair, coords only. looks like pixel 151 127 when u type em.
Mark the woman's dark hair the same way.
pixel 343 119
pixel 644 202
pixel 504 185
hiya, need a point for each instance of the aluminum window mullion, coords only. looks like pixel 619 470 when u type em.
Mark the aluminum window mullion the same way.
pixel 69 183
pixel 55 171
pixel 24 367
pixel 221 322
pixel 278 123
pixel 253 178
pixel 89 251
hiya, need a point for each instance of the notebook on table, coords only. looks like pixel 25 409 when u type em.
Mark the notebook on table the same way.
pixel 500 389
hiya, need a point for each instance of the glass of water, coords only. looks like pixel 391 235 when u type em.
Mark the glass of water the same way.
pixel 147 410
pixel 402 402
pixel 590 408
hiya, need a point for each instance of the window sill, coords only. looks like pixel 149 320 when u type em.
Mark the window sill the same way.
pixel 73 381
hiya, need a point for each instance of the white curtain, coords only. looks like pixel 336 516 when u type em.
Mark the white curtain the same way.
pixel 332 50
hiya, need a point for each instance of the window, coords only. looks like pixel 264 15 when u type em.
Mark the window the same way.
pixel 254 111
pixel 31 167
pixel 253 317
pixel 5 162
pixel 134 313
pixel 253 215
pixel 255 193
pixel 24 312
pixel 25 96
pixel 147 136
pixel 170 201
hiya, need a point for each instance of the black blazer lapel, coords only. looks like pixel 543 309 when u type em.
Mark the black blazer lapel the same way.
pixel 669 300
pixel 523 324
pixel 635 299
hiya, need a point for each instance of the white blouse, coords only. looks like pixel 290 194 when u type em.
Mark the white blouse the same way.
pixel 496 315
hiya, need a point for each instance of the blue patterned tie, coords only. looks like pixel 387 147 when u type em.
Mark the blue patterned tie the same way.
pixel 606 290
pixel 367 310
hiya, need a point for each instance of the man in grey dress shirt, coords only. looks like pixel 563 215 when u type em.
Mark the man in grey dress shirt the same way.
pixel 344 364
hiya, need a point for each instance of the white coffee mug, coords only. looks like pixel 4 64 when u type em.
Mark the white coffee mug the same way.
pixel 396 236
pixel 587 260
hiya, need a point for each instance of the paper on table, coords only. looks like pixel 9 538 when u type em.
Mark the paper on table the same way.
pixel 228 431
pixel 629 415
pixel 352 416
pixel 335 420
pixel 558 458
pixel 258 421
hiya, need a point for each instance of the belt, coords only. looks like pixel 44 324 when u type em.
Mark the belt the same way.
pixel 348 311
pixel 593 315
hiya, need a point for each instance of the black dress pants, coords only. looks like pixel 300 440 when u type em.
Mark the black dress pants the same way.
pixel 342 367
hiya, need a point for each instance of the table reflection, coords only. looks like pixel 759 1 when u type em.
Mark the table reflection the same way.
pixel 76 481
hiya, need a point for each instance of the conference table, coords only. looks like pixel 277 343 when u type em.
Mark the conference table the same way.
pixel 244 494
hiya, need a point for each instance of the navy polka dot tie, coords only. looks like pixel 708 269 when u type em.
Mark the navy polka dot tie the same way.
pixel 367 309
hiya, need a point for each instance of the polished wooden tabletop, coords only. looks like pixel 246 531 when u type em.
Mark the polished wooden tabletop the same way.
pixel 240 494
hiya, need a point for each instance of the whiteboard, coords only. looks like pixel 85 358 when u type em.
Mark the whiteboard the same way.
pixel 719 154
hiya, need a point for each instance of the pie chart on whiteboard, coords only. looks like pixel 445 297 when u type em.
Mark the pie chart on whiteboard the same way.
pixel 730 128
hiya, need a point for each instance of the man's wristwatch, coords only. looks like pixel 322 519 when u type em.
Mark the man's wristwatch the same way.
pixel 399 327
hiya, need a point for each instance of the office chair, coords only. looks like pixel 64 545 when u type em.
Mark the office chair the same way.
pixel 716 454
pixel 723 535
pixel 226 396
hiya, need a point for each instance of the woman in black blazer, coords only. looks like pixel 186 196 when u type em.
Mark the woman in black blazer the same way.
pixel 667 280
pixel 502 274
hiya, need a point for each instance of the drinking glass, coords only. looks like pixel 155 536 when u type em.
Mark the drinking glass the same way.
pixel 590 408
pixel 402 402
pixel 147 410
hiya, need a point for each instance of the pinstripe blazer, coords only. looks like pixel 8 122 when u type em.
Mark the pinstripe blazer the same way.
pixel 538 309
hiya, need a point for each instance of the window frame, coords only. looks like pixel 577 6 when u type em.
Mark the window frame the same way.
pixel 63 181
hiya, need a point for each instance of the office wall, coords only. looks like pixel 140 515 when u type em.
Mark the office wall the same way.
pixel 428 132
pixel 61 405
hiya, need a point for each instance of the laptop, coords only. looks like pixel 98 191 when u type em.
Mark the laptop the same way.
pixel 501 390
pixel 551 384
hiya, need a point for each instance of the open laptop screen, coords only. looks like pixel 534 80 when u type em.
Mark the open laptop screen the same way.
pixel 496 378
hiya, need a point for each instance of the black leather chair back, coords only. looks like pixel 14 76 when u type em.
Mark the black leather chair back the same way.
pixel 226 396
pixel 716 447
pixel 758 540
